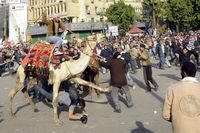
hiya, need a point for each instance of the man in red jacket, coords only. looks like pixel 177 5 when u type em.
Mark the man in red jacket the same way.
pixel 118 81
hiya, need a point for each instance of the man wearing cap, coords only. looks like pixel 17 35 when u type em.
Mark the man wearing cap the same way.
pixel 53 30
pixel 147 70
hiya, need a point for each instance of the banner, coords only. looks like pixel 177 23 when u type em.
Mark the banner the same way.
pixel 112 30
pixel 17 22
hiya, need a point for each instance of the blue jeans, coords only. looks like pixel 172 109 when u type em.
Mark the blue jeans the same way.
pixel 56 40
pixel 162 61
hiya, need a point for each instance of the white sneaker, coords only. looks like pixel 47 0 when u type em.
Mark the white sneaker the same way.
pixel 57 53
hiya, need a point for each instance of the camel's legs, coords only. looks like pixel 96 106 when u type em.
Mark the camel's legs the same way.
pixel 83 82
pixel 26 95
pixel 12 94
pixel 56 86
pixel 90 89
pixel 14 91
pixel 96 79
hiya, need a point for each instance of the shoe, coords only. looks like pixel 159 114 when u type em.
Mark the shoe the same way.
pixel 162 68
pixel 148 89
pixel 117 111
pixel 57 53
pixel 130 106
pixel 156 88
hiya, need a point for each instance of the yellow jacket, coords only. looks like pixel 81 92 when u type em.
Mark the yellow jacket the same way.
pixel 145 57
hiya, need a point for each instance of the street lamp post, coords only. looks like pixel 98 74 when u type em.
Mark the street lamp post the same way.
pixel 5 20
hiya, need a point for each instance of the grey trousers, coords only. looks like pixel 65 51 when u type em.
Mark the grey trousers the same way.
pixel 115 96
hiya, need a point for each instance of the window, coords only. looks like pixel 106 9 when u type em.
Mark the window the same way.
pixel 97 10
pixel 87 8
pixel 92 19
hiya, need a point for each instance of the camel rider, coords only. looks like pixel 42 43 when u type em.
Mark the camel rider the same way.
pixel 53 30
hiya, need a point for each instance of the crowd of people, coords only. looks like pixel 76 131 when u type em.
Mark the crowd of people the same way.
pixel 120 56
pixel 11 55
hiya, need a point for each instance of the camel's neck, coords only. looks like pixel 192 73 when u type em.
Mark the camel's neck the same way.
pixel 88 50
pixel 78 66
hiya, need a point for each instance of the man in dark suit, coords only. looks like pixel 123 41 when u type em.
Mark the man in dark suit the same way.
pixel 118 81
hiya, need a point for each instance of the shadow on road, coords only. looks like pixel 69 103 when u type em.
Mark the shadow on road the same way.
pixel 139 83
pixel 21 107
pixel 143 86
pixel 1 120
pixel 140 128
pixel 171 76
pixel 159 98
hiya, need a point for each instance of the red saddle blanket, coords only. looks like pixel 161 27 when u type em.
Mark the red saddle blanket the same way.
pixel 39 55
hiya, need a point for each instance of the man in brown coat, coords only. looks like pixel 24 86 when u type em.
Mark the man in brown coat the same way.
pixel 118 81
pixel 53 30
pixel 182 102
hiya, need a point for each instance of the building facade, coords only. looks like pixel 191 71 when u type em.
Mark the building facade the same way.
pixel 75 11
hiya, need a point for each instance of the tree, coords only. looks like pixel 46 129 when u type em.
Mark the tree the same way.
pixel 196 14
pixel 155 11
pixel 122 15
pixel 180 12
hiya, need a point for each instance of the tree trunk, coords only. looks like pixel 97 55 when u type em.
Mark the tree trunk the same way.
pixel 177 27
pixel 154 16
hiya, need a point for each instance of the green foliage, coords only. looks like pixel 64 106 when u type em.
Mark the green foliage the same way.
pixel 180 12
pixel 122 15
pixel 183 13
pixel 155 11
pixel 196 14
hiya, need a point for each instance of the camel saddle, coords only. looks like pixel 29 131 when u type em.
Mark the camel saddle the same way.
pixel 39 55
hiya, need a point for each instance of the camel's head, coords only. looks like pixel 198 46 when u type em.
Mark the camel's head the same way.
pixel 99 37
pixel 87 49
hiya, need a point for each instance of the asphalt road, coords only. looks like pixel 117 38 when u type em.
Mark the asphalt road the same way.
pixel 144 117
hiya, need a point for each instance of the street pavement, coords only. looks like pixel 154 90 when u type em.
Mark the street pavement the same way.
pixel 144 117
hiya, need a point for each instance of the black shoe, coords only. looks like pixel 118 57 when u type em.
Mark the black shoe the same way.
pixel 130 106
pixel 162 68
pixel 117 111
pixel 148 89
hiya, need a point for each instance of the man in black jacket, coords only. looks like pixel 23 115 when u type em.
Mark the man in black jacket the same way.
pixel 118 81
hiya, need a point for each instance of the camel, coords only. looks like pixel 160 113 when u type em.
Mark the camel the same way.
pixel 69 70
pixel 91 74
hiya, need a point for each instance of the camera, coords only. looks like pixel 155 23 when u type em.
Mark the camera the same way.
pixel 84 119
